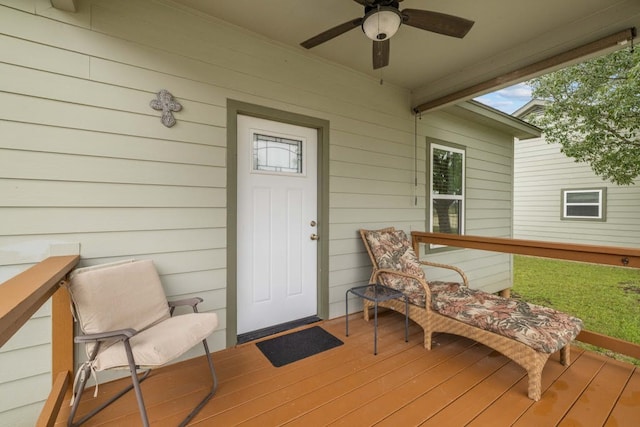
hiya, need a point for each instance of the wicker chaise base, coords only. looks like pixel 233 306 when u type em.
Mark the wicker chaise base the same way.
pixel 531 360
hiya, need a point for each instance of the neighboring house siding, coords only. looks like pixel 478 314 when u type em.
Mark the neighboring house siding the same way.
pixel 86 166
pixel 541 173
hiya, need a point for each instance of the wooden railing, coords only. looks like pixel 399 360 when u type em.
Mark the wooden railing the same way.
pixel 20 297
pixel 608 255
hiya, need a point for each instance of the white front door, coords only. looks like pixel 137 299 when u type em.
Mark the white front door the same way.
pixel 277 216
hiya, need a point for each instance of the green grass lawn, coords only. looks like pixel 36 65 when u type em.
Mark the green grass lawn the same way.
pixel 607 299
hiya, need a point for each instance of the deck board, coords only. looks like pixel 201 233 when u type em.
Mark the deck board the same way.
pixel 510 406
pixel 440 384
pixel 458 382
pixel 596 403
pixel 371 389
pixel 627 409
pixel 472 403
pixel 563 393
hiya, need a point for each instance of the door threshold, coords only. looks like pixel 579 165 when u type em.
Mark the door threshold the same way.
pixel 271 330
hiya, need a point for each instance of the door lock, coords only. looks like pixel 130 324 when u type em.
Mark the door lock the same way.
pixel 315 237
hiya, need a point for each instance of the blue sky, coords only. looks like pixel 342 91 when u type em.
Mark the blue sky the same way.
pixel 508 99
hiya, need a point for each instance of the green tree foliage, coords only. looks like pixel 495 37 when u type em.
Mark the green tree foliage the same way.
pixel 593 111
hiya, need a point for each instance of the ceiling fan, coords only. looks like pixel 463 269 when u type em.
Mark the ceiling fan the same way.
pixel 381 20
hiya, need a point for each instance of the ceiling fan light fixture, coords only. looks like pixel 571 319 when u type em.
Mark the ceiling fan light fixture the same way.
pixel 381 23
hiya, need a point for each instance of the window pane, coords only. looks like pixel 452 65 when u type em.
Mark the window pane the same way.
pixel 274 154
pixel 583 197
pixel 586 211
pixel 446 216
pixel 447 172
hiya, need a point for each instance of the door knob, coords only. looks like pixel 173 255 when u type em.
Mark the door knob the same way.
pixel 315 237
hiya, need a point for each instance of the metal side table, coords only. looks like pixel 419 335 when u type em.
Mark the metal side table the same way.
pixel 376 294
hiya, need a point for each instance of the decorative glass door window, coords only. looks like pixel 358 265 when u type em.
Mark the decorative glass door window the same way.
pixel 274 154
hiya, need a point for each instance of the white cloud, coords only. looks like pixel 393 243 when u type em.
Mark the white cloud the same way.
pixel 520 90
pixel 508 99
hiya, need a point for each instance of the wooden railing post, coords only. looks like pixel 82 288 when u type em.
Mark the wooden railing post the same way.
pixel 62 357
pixel 20 297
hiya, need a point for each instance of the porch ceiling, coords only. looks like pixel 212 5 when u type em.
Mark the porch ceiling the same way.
pixel 507 36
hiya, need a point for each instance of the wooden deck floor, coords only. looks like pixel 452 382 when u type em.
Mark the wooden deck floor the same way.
pixel 457 383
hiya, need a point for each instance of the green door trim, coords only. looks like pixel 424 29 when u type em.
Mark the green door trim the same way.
pixel 234 108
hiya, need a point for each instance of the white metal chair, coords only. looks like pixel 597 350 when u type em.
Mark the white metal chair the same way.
pixel 126 323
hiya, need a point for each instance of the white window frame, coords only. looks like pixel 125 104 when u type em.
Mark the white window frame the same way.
pixel 601 204
pixel 460 198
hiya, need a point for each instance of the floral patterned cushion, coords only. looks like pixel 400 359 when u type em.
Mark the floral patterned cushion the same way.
pixel 542 328
pixel 392 250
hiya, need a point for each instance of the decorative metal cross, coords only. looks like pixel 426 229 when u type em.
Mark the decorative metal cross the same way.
pixel 164 101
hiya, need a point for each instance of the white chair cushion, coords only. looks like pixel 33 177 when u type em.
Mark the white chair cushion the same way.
pixel 161 343
pixel 124 294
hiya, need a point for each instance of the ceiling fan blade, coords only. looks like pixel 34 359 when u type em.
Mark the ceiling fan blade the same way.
pixel 436 22
pixel 381 53
pixel 373 2
pixel 331 33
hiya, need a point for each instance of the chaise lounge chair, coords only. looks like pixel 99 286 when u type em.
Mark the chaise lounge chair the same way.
pixel 526 333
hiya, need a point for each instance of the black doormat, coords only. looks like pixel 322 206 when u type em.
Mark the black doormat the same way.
pixel 289 348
